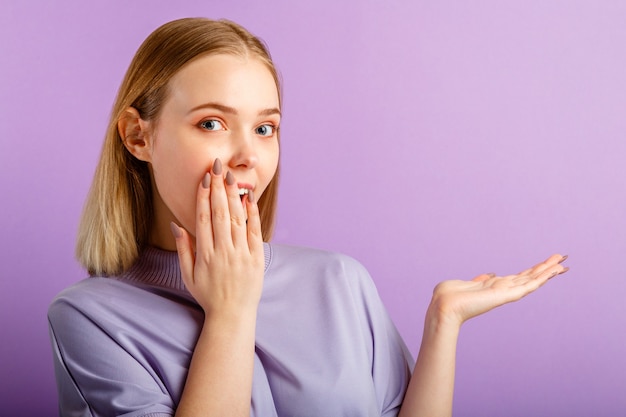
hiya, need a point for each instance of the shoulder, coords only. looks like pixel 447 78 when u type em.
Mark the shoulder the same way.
pixel 317 266
pixel 86 293
pixel 85 306
pixel 285 256
pixel 102 302
pixel 92 292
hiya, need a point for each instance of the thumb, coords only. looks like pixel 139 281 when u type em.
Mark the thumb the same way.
pixel 186 256
pixel 483 277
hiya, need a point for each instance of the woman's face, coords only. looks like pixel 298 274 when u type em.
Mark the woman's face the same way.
pixel 219 106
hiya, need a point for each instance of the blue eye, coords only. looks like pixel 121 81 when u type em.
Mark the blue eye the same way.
pixel 211 125
pixel 265 130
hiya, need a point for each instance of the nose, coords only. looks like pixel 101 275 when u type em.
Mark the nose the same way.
pixel 244 154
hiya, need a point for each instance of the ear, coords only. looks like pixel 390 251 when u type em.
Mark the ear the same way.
pixel 135 133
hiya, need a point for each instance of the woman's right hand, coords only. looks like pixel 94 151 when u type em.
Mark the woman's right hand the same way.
pixel 225 276
pixel 225 272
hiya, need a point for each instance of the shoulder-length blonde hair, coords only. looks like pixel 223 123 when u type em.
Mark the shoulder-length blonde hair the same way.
pixel 117 217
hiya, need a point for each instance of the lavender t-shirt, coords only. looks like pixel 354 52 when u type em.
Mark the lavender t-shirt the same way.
pixel 325 345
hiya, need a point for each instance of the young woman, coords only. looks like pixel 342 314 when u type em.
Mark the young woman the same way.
pixel 188 310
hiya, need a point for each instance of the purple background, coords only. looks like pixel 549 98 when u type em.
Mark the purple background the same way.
pixel 430 140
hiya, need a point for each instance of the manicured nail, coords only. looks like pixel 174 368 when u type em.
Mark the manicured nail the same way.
pixel 563 259
pixel 564 270
pixel 217 167
pixel 230 179
pixel 206 181
pixel 251 196
pixel 176 230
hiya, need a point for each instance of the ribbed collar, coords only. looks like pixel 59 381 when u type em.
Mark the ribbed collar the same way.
pixel 161 268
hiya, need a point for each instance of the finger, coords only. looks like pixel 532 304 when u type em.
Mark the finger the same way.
pixel 236 210
pixel 484 277
pixel 539 277
pixel 522 285
pixel 556 270
pixel 184 248
pixel 549 268
pixel 255 235
pixel 204 225
pixel 554 259
pixel 220 213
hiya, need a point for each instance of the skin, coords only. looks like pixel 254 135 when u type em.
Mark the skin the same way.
pixel 220 245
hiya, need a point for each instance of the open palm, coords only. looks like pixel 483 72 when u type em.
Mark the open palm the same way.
pixel 461 300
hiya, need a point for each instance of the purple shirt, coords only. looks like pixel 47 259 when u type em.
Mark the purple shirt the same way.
pixel 325 345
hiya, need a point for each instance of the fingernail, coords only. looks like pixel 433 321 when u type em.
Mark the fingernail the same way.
pixel 217 167
pixel 230 179
pixel 251 196
pixel 563 259
pixel 492 275
pixel 206 181
pixel 564 270
pixel 176 230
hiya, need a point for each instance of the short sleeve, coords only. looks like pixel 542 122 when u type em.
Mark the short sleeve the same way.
pixel 391 360
pixel 100 370
pixel 325 339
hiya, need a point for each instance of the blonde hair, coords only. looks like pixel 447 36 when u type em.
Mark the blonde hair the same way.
pixel 117 217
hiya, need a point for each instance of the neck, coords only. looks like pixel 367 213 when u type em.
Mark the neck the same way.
pixel 160 233
pixel 161 268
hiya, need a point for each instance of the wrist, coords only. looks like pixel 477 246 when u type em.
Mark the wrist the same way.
pixel 438 318
pixel 230 318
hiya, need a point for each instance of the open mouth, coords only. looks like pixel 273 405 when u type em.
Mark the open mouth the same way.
pixel 243 192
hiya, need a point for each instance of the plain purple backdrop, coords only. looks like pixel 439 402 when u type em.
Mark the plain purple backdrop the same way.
pixel 430 140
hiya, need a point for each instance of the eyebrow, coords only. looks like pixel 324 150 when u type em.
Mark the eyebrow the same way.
pixel 232 110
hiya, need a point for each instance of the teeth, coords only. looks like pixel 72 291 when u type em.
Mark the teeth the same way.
pixel 243 191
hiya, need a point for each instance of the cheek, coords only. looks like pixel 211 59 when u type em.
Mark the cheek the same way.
pixel 270 165
pixel 177 185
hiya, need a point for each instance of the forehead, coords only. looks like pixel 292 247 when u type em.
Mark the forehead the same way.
pixel 243 82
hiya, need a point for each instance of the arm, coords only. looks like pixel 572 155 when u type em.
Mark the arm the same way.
pixel 430 391
pixel 225 276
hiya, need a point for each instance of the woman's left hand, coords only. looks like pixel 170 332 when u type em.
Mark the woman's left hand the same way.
pixel 431 389
pixel 457 301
